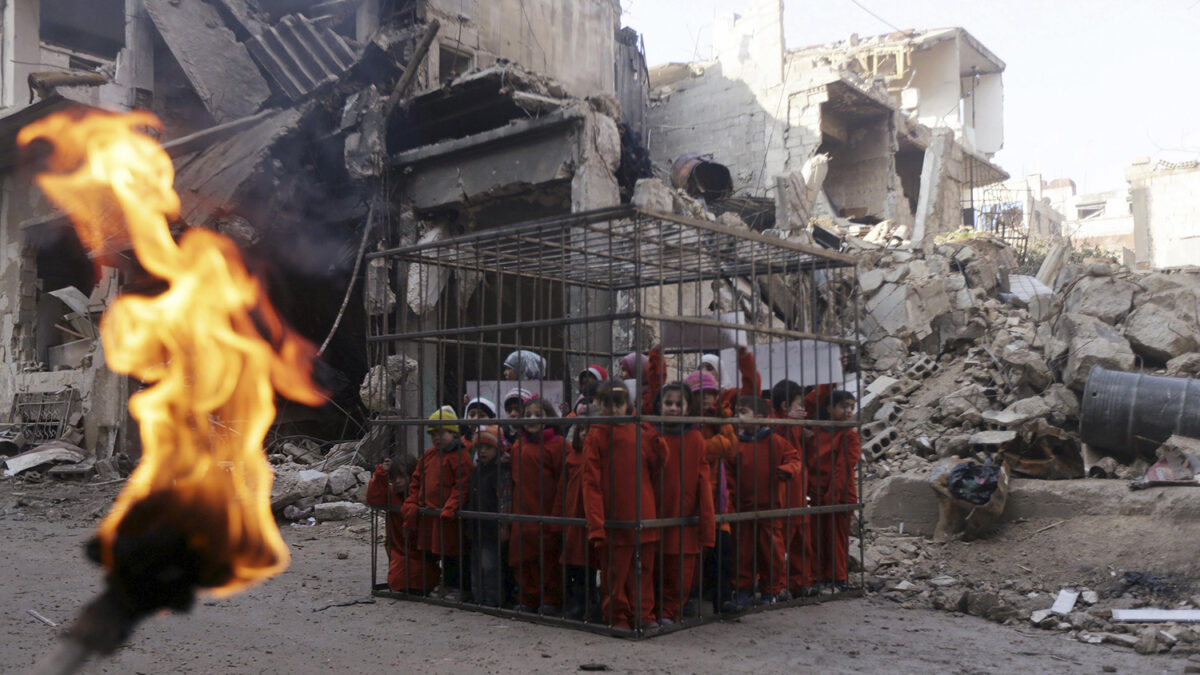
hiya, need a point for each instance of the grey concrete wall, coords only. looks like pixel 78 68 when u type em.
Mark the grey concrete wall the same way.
pixel 1167 213
pixel 573 41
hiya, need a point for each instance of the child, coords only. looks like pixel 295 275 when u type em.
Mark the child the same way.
pixel 720 449
pixel 751 381
pixel 650 373
pixel 832 480
pixel 524 365
pixel 408 570
pixel 587 378
pixel 580 594
pixel 765 463
pixel 685 491
pixel 613 484
pixel 533 551
pixel 514 403
pixel 442 481
pixel 475 409
pixel 787 402
pixel 491 492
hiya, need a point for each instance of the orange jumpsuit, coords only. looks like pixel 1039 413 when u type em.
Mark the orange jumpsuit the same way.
pixel 575 546
pixel 685 491
pixel 832 480
pixel 797 535
pixel 533 548
pixel 408 570
pixel 613 482
pixel 442 481
pixel 758 487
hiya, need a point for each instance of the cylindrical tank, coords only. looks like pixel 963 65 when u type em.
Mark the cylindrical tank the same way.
pixel 1130 414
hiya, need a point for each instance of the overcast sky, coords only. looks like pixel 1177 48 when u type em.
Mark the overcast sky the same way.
pixel 1089 85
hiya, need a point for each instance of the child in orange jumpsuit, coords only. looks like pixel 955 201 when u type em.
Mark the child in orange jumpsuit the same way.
pixel 441 481
pixel 787 402
pixel 533 548
pixel 720 450
pixel 491 492
pixel 833 480
pixel 614 485
pixel 684 490
pixel 766 463
pixel 581 597
pixel 408 570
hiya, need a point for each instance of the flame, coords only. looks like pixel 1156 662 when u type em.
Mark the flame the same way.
pixel 211 347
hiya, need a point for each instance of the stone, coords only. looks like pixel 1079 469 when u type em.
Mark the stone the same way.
pixel 1187 365
pixel 956 445
pixel 1159 334
pixel 311 483
pixel 1094 342
pixel 1063 403
pixel 339 510
pixel 1122 639
pixel 993 439
pixel 341 480
pixel 652 194
pixel 1147 641
pixel 1040 616
pixel 1030 408
pixel 886 353
pixel 1106 298
pixel 903 585
pixel 1089 597
pixel 943 581
pixel 1023 366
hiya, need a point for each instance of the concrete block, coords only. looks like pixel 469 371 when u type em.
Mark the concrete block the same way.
pixel 341 480
pixel 311 483
pixel 1105 298
pixel 1159 334
pixel 652 194
pixel 881 443
pixel 339 510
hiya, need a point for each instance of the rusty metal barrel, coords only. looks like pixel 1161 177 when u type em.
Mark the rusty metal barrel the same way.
pixel 1130 414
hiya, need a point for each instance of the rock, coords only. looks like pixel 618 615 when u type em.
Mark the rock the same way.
pixel 886 353
pixel 1063 403
pixel 903 585
pixel 1147 641
pixel 301 453
pixel 311 483
pixel 339 511
pixel 943 581
pixel 1159 334
pixel 1104 298
pixel 1003 419
pixel 341 480
pixel 956 445
pixel 1093 343
pixel 652 194
pixel 1040 616
pixel 1187 365
pixel 291 512
pixel 1089 597
pixel 1122 639
pixel 285 490
pixel 993 439
pixel 1030 408
pixel 1023 366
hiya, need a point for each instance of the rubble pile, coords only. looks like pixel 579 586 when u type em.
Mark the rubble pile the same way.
pixel 962 358
pixel 310 484
pixel 907 570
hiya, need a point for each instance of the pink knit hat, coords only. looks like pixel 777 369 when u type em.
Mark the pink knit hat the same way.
pixel 633 360
pixel 699 381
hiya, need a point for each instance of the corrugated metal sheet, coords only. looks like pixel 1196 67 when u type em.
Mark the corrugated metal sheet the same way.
pixel 299 56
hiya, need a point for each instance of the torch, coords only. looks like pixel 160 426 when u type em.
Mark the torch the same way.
pixel 195 514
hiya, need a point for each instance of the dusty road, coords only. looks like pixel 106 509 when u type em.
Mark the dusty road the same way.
pixel 273 628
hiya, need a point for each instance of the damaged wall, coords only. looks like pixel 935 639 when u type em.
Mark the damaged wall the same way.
pixel 1166 213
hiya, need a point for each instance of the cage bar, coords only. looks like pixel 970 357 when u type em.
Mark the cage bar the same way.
pixel 680 509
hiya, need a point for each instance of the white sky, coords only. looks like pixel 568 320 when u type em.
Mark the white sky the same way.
pixel 1089 84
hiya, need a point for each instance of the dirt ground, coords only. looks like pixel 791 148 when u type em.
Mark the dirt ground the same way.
pixel 274 628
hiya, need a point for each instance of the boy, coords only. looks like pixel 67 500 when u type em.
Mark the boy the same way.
pixel 441 481
pixel 408 570
pixel 832 480
pixel 491 492
pixel 613 485
pixel 514 403
pixel 765 463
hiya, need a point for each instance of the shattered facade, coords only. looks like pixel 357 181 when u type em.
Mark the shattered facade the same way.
pixel 908 120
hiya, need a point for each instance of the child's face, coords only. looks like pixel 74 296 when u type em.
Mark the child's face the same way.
pixel 585 379
pixel 746 419
pixel 673 404
pixel 487 452
pixel 477 413
pixel 509 373
pixel 709 398
pixel 707 367
pixel 400 483
pixel 512 408
pixel 534 411
pixel 442 438
pixel 796 409
pixel 840 412
pixel 625 374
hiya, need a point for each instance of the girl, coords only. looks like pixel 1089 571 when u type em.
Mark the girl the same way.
pixel 649 371
pixel 613 485
pixel 685 491
pixel 408 570
pixel 533 551
pixel 580 594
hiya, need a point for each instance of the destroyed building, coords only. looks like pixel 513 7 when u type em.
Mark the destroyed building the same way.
pixel 909 120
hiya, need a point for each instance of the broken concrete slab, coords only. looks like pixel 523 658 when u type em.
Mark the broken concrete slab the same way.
pixel 1093 342
pixel 1186 365
pixel 341 480
pixel 47 453
pixel 333 511
pixel 311 483
pixel 1034 296
pixel 1160 334
pixel 653 194
pixel 1106 298
pixel 215 63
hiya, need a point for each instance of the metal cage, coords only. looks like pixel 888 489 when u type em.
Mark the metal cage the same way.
pixel 588 289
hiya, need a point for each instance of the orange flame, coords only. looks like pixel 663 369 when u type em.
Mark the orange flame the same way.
pixel 211 345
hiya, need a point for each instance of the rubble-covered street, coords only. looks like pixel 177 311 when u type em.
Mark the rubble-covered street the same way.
pixel 280 627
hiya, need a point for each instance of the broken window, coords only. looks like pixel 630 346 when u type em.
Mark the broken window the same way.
pixel 64 332
pixel 452 63
pixel 90 26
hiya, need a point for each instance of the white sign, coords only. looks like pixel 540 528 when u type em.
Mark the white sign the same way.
pixel 496 390
pixel 691 336
pixel 805 362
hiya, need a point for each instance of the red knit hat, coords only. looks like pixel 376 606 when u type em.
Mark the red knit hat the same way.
pixel 489 434
pixel 595 371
